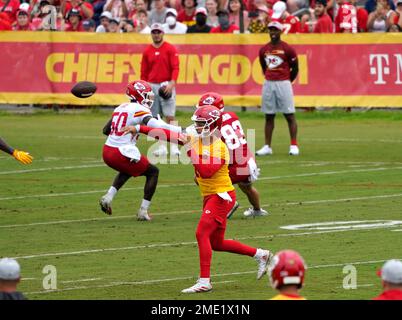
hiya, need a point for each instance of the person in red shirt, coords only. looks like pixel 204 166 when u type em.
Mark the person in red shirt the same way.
pixel 324 22
pixel 224 23
pixel 74 19
pixel 160 67
pixel 280 66
pixel 23 23
pixel 291 24
pixel 85 8
pixel 391 275
pixel 362 17
pixel 187 14
pixel 346 19
pixel 5 24
pixel 10 7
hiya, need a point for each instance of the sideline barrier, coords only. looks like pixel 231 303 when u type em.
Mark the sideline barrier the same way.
pixel 336 70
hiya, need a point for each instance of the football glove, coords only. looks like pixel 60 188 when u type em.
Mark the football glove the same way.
pixel 22 156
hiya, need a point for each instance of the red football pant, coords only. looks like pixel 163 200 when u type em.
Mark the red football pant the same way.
pixel 211 232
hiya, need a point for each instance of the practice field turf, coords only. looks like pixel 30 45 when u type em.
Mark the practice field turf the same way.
pixel 349 170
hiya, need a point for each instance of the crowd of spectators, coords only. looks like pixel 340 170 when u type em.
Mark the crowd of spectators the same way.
pixel 202 16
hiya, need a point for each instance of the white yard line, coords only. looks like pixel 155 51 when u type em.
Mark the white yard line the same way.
pixel 190 211
pixel 85 166
pixel 153 281
pixel 81 280
pixel 397 230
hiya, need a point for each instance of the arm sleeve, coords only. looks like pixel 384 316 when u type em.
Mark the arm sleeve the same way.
pixel 293 63
pixel 262 61
pixel 161 134
pixel 174 62
pixel 205 167
pixel 144 67
pixel 155 123
pixel 5 147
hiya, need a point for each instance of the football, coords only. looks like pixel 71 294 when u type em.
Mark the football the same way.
pixel 162 94
pixel 84 89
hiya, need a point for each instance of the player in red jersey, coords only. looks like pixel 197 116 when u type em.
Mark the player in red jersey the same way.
pixel 242 168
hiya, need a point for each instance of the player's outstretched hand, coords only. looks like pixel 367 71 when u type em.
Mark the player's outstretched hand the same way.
pixel 22 156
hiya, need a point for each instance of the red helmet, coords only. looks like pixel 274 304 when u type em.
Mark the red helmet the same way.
pixel 141 92
pixel 208 119
pixel 211 99
pixel 287 267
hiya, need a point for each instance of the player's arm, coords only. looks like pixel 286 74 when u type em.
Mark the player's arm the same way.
pixel 21 156
pixel 206 168
pixel 157 133
pixel 5 147
pixel 263 63
pixel 293 64
pixel 108 127
pixel 159 123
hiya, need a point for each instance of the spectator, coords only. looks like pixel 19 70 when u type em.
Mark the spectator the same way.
pixel 158 13
pixel 323 23
pixel 391 276
pixel 23 23
pixel 98 10
pixel 224 23
pixel 119 8
pixel 10 8
pixel 398 14
pixel 258 22
pixel 85 8
pixel 114 25
pixel 138 5
pixel 74 19
pixel 236 9
pixel 200 25
pixel 5 24
pixel 21 156
pixel 127 25
pixel 280 67
pixel 173 26
pixel 212 9
pixel 9 279
pixel 187 14
pixel 105 18
pixel 371 5
pixel 291 24
pixel 362 17
pixel 142 22
pixel 160 67
pixel 377 20
pixel 346 19
pixel 394 28
pixel 89 25
pixel 286 274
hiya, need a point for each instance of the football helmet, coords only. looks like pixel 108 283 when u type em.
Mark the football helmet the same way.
pixel 287 267
pixel 207 120
pixel 141 92
pixel 211 99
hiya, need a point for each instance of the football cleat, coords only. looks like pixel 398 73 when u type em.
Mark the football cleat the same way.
pixel 230 213
pixel 294 150
pixel 105 203
pixel 143 215
pixel 251 212
pixel 263 263
pixel 264 151
pixel 198 288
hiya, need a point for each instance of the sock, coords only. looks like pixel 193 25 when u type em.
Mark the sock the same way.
pixel 112 192
pixel 293 142
pixel 205 280
pixel 145 204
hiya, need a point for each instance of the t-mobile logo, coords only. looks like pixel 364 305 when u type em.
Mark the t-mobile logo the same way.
pixel 380 67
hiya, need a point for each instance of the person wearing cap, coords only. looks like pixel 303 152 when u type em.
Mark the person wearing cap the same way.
pixel 280 66
pixel 324 22
pixel 23 23
pixel 171 24
pixel 160 68
pixel 74 19
pixel 236 10
pixel 291 24
pixel 10 9
pixel 224 23
pixel 391 276
pixel 105 18
pixel 200 25
pixel 114 25
pixel 187 14
pixel 158 13
pixel 89 25
pixel 85 8
pixel 9 280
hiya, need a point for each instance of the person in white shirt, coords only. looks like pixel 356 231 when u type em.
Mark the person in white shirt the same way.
pixel 171 24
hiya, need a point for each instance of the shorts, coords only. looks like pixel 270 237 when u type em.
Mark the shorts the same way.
pixel 277 97
pixel 114 159
pixel 216 208
pixel 161 106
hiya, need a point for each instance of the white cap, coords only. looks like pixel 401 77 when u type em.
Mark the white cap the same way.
pixel 171 11
pixel 106 14
pixel 279 8
pixel 157 26
pixel 24 6
pixel 9 269
pixel 391 271
pixel 275 24
pixel 203 11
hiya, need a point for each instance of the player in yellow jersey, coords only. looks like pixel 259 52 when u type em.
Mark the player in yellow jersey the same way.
pixel 21 156
pixel 286 274
pixel 210 158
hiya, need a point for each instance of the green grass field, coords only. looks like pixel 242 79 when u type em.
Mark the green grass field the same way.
pixel 349 170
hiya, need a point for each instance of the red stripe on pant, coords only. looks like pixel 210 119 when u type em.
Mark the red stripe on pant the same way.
pixel 211 232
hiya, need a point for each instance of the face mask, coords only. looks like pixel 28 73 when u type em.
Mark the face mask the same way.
pixel 171 21
pixel 224 22
pixel 200 19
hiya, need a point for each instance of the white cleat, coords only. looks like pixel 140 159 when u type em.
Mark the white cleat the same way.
pixel 263 263
pixel 294 150
pixel 161 151
pixel 230 213
pixel 251 212
pixel 174 150
pixel 264 151
pixel 143 215
pixel 198 288
pixel 106 204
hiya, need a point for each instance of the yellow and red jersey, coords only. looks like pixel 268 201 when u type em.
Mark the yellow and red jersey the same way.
pixel 288 297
